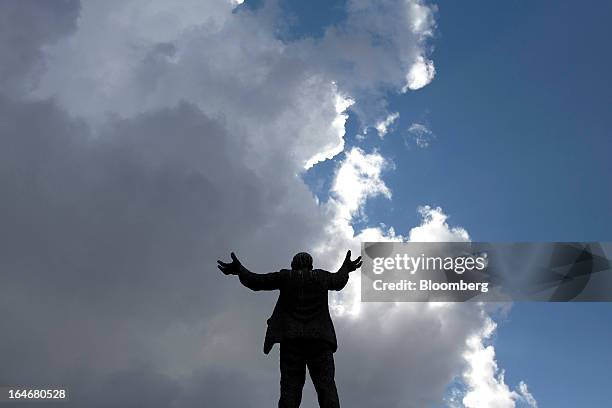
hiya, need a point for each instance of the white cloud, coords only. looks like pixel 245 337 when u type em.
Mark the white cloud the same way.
pixel 435 228
pixel 526 395
pixel 486 385
pixel 383 126
pixel 395 361
pixel 421 73
pixel 423 22
pixel 485 382
pixel 358 178
pixel 130 56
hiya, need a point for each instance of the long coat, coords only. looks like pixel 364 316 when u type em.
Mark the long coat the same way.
pixel 301 310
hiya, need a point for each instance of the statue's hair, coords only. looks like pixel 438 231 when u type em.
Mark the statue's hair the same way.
pixel 302 260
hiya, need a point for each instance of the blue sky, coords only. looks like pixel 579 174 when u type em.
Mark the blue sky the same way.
pixel 520 110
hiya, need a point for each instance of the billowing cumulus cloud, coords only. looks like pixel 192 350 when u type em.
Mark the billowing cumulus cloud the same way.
pixel 129 57
pixel 142 140
pixel 486 386
pixel 435 228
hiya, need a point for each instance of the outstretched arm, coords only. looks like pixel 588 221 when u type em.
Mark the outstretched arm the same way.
pixel 253 281
pixel 339 279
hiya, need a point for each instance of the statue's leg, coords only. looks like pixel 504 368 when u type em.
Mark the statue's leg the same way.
pixel 293 375
pixel 321 367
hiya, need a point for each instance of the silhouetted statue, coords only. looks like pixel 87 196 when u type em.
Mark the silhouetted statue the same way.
pixel 301 323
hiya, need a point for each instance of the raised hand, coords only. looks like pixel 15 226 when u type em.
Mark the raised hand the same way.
pixel 232 268
pixel 349 265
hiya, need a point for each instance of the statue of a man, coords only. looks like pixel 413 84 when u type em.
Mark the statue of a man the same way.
pixel 301 323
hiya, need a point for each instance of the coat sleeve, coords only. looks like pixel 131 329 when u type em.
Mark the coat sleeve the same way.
pixel 260 281
pixel 338 280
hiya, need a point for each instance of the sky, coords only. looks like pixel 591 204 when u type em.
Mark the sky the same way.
pixel 520 112
pixel 141 140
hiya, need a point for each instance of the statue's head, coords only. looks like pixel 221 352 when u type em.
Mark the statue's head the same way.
pixel 302 260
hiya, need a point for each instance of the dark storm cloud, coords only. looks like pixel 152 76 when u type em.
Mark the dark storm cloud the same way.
pixel 109 237
pixel 25 26
pixel 110 240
